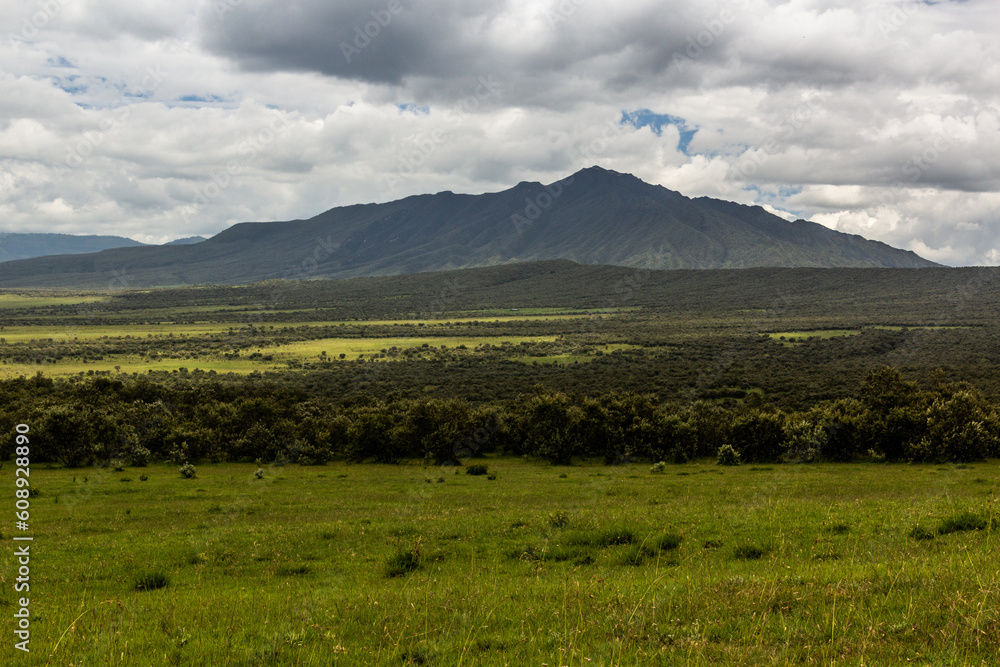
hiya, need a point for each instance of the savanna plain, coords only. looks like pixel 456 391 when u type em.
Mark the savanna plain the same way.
pixel 545 464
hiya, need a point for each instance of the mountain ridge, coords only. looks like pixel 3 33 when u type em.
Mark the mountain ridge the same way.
pixel 594 216
pixel 18 245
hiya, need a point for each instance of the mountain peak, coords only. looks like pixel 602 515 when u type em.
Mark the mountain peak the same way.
pixel 596 216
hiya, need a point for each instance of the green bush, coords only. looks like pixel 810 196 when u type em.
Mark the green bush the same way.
pixel 957 429
pixel 803 441
pixel 187 471
pixel 138 456
pixel 477 469
pixel 727 456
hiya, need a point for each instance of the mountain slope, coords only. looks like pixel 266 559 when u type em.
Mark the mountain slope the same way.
pixel 186 240
pixel 593 217
pixel 25 246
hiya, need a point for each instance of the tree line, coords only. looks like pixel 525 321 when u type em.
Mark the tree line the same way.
pixel 137 421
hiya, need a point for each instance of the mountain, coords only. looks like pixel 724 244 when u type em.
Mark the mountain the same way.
pixel 595 216
pixel 186 240
pixel 24 246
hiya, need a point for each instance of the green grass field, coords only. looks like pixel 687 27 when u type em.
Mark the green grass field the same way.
pixel 273 357
pixel 582 565
pixel 39 299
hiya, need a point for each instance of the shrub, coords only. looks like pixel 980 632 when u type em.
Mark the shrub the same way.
pixel 957 429
pixel 179 453
pixel 143 478
pixel 152 581
pixel 259 473
pixel 117 465
pixel 477 469
pixel 138 456
pixel 803 441
pixel 727 456
pixel 658 467
pixel 187 471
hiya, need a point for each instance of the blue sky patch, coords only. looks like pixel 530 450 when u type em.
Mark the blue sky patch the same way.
pixel 656 121
pixel 60 61
pixel 410 107
pixel 202 99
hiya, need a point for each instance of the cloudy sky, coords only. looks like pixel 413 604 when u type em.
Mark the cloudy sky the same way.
pixel 164 119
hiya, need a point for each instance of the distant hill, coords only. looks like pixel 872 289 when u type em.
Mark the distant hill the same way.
pixel 25 246
pixel 186 241
pixel 595 216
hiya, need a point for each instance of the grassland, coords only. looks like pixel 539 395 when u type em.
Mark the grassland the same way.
pixel 846 564
pixel 373 565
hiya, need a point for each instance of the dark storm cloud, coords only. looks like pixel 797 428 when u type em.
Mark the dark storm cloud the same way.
pixel 380 41
pixel 431 45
